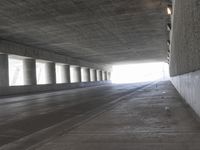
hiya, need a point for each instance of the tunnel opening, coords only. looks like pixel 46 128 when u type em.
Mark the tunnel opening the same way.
pixel 141 72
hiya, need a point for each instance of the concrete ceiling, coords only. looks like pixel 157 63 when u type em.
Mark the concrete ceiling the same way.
pixel 100 31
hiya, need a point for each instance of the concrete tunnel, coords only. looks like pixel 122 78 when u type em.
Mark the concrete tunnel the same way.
pixel 56 59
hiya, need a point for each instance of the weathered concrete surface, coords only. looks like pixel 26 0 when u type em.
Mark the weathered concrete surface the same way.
pixel 185 45
pixel 185 52
pixel 25 115
pixel 98 31
pixel 188 86
pixel 107 117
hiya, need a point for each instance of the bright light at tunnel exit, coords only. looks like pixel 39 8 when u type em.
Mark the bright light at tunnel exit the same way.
pixel 143 72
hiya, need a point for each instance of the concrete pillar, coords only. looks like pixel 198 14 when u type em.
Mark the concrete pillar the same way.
pixel 95 75
pixel 103 75
pixel 100 75
pixel 79 74
pixel 30 72
pixel 106 75
pixel 92 75
pixel 102 72
pixel 88 74
pixel 51 73
pixel 75 74
pixel 4 76
pixel 66 74
pixel 62 73
pixel 85 74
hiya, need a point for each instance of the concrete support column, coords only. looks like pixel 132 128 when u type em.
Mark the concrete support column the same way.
pixel 85 74
pixel 51 73
pixel 4 76
pixel 75 74
pixel 88 74
pixel 30 72
pixel 66 74
pixel 106 76
pixel 98 75
pixel 95 75
pixel 101 75
pixel 79 74
pixel 92 75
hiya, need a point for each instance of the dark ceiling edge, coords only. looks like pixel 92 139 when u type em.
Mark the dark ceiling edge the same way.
pixel 14 48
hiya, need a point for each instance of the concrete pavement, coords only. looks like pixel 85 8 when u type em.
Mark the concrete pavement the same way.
pixel 132 116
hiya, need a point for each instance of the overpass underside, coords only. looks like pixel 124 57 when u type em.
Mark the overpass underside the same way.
pixel 56 62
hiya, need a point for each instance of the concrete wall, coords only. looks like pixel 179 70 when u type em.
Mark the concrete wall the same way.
pixel 188 86
pixel 185 45
pixel 185 51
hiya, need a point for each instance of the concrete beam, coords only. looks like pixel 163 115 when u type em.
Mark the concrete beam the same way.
pixel 43 54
